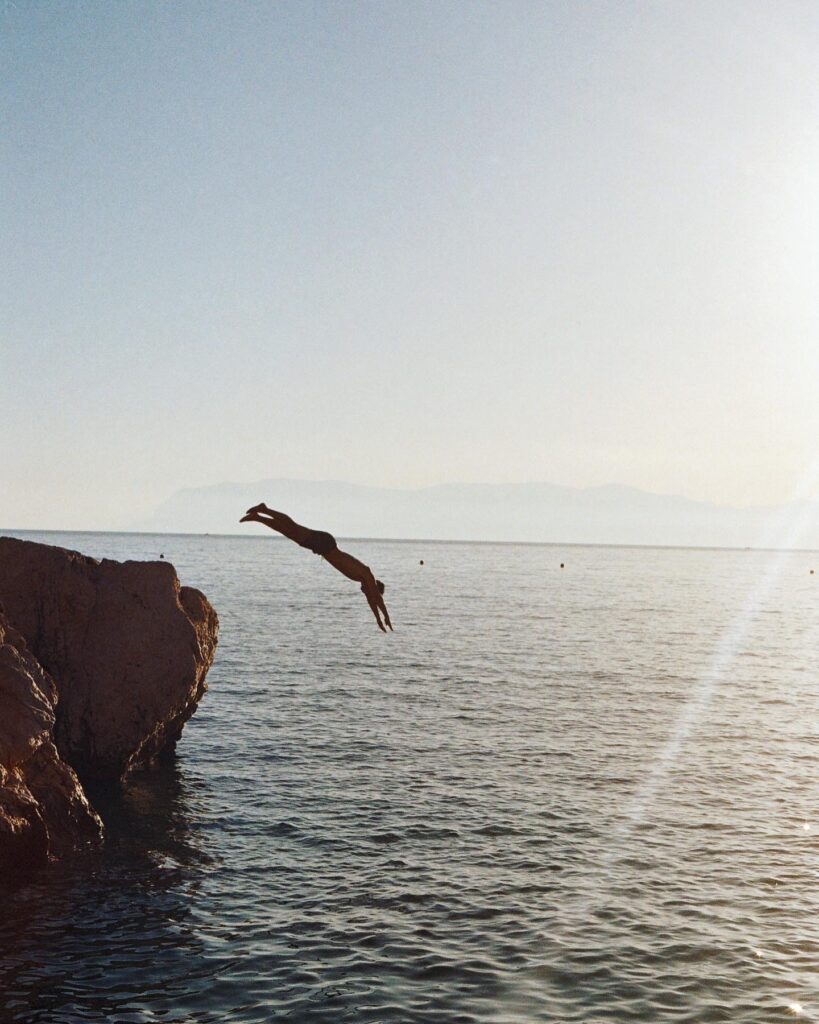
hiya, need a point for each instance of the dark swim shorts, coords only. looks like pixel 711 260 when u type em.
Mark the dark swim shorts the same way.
pixel 319 542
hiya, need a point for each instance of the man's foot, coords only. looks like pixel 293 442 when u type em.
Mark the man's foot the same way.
pixel 261 507
pixel 250 517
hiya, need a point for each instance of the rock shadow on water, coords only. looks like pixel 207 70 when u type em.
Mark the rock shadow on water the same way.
pixel 137 892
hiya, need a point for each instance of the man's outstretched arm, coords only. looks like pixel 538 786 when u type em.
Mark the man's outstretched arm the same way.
pixel 383 608
pixel 371 594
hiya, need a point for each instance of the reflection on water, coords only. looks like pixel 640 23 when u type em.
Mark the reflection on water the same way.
pixel 553 795
pixel 110 932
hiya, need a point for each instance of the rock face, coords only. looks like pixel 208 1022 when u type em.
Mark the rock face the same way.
pixel 43 811
pixel 127 648
pixel 101 664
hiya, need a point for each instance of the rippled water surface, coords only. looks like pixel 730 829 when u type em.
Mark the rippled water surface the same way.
pixel 586 794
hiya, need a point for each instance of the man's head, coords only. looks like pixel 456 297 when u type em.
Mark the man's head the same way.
pixel 380 586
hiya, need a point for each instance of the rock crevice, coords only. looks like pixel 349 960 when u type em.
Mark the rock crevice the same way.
pixel 44 813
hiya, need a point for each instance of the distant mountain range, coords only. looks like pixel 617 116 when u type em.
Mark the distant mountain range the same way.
pixel 533 512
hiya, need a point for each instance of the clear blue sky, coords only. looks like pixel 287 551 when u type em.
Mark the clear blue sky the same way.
pixel 403 244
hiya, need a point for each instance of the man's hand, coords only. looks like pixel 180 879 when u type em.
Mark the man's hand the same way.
pixel 371 593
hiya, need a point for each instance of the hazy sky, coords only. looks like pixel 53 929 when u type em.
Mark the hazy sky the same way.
pixel 403 244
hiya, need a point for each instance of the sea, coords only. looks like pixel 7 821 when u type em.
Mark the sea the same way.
pixel 575 784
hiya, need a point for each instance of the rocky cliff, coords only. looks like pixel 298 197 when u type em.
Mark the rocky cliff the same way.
pixel 104 661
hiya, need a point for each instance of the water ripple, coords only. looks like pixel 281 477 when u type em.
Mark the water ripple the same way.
pixel 474 820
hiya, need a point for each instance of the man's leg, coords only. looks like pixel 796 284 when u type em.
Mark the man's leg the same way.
pixel 276 521
pixel 265 510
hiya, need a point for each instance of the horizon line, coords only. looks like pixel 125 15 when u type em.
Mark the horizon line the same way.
pixel 431 540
